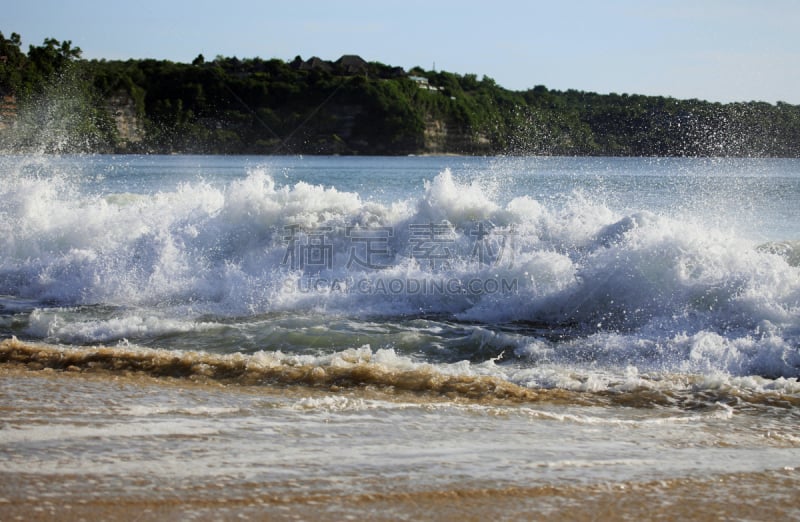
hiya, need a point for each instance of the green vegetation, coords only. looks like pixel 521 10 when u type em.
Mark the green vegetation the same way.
pixel 55 101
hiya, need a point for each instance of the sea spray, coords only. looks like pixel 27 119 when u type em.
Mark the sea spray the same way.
pixel 220 263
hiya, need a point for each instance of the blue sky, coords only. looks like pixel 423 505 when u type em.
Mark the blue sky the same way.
pixel 718 50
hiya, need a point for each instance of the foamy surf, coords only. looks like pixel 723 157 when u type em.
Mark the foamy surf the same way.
pixel 99 443
pixel 497 275
pixel 396 377
pixel 248 337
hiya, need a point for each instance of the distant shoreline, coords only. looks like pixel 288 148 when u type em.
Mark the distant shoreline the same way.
pixel 58 102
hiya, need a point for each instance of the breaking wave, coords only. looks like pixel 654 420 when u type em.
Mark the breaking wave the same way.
pixel 515 280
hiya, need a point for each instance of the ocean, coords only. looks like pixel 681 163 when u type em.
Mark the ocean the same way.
pixel 399 338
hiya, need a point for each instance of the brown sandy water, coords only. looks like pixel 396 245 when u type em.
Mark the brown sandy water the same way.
pixel 98 444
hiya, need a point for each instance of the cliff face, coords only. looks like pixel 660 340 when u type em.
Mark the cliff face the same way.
pixel 436 136
pixel 130 128
pixel 442 137
pixel 332 131
pixel 352 129
pixel 8 111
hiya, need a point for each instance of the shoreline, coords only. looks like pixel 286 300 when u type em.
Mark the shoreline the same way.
pixel 117 494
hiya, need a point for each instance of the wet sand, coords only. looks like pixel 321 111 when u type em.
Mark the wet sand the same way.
pixel 118 494
pixel 759 496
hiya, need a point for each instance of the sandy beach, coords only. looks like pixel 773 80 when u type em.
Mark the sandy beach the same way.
pixel 119 494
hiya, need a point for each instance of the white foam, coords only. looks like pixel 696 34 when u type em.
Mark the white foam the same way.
pixel 142 410
pixel 64 431
pixel 55 325
pixel 641 289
